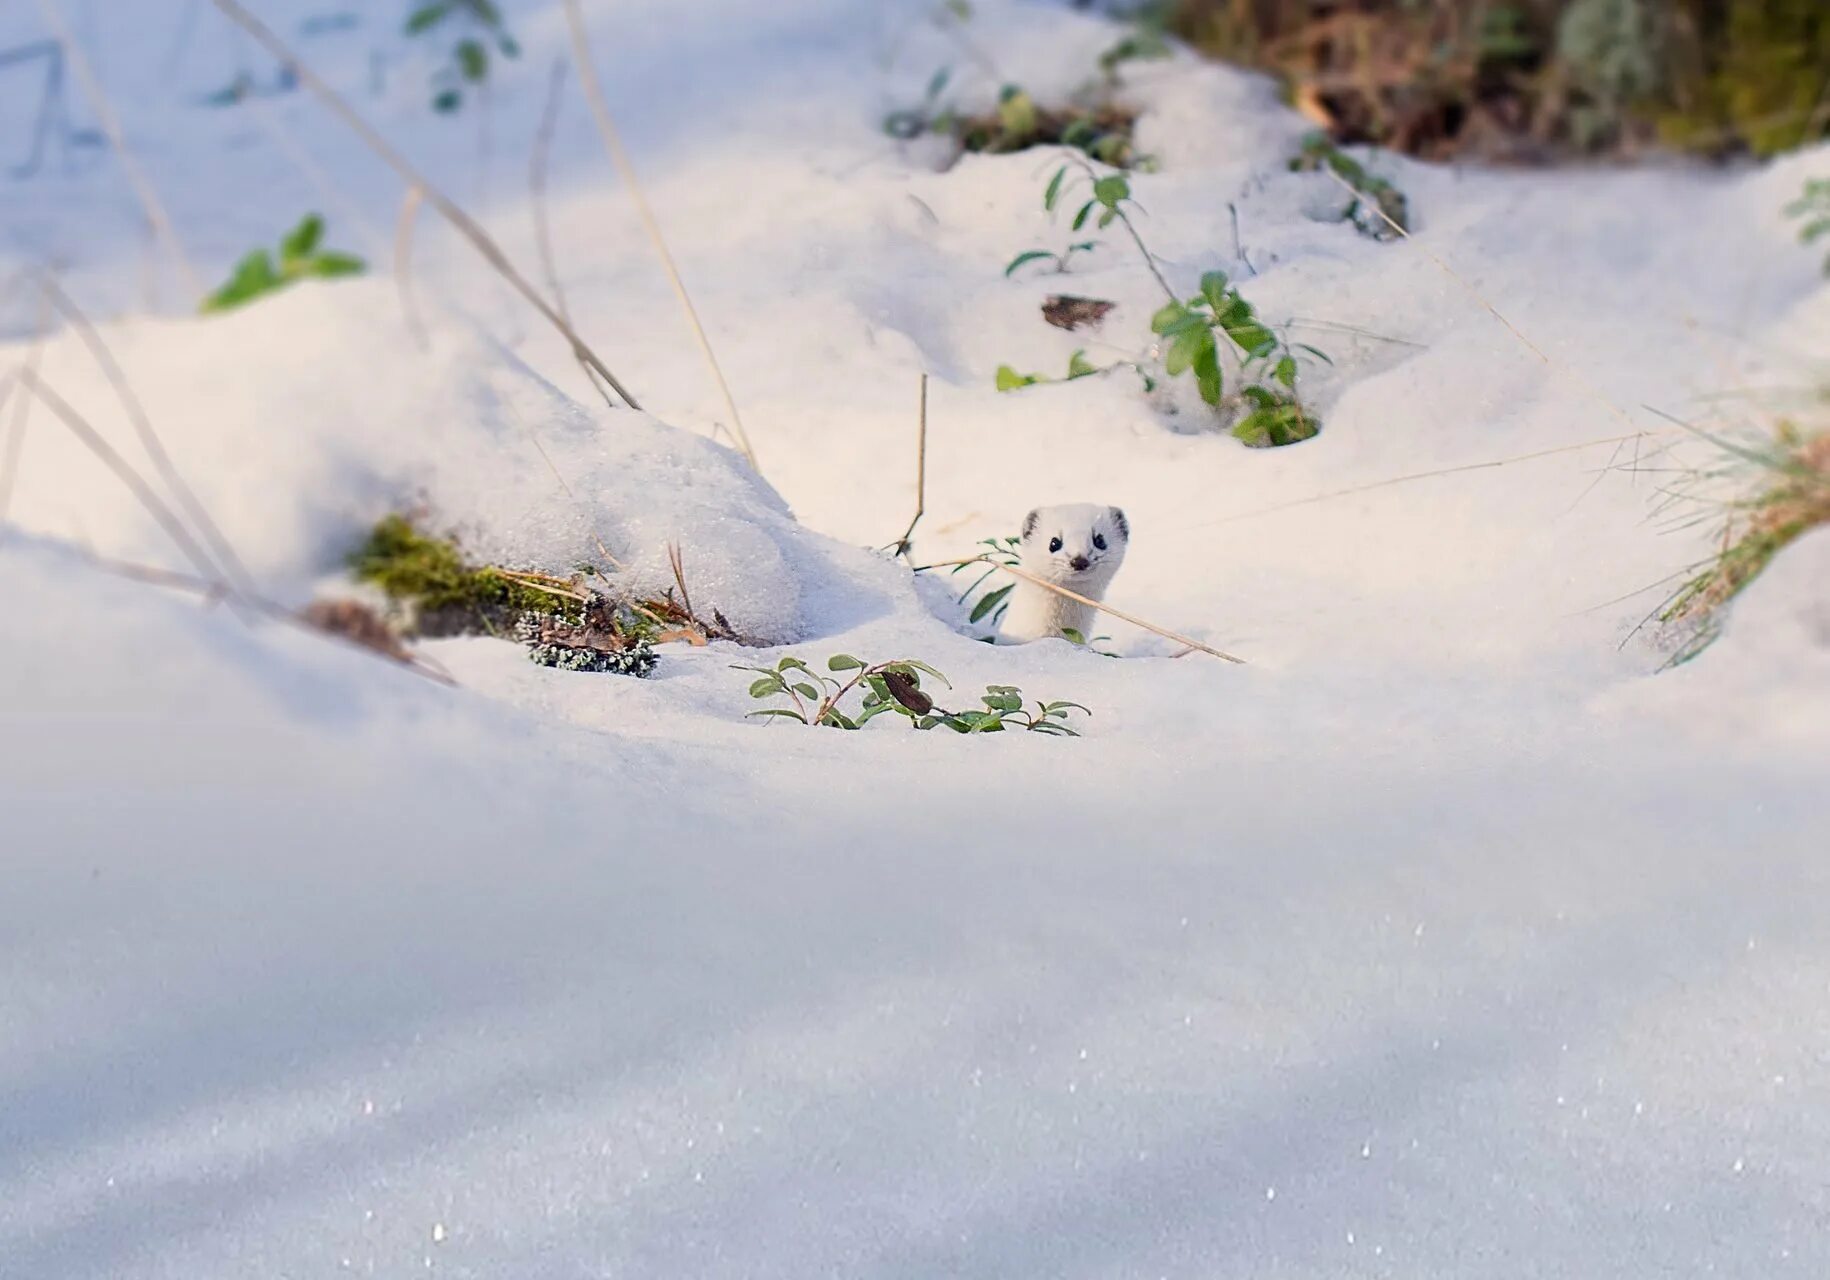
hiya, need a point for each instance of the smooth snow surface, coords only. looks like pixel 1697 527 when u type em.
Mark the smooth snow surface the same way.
pixel 1441 940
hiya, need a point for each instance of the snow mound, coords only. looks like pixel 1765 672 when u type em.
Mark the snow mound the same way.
pixel 302 421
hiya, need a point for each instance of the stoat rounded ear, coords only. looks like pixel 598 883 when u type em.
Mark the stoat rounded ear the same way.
pixel 1029 523
pixel 1123 525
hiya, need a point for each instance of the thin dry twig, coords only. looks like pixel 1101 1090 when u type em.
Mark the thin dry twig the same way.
pixel 1120 614
pixel 903 545
pixel 463 223
pixel 613 143
pixel 1588 388
pixel 150 204
pixel 677 562
pixel 1422 475
pixel 228 563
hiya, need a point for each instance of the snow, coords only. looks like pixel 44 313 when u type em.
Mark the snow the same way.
pixel 1443 938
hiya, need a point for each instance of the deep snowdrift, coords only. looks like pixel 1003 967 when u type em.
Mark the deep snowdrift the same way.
pixel 1442 939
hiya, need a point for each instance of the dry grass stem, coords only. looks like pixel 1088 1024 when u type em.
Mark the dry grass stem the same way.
pixel 903 545
pixel 1588 388
pixel 448 209
pixel 1424 475
pixel 1102 607
pixel 155 506
pixel 537 165
pixel 613 143
pixel 227 562
pixel 404 223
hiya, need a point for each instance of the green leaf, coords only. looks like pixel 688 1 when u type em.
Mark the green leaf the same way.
pixel 808 691
pixel 990 601
pixel 1002 698
pixel 1111 189
pixel 1080 219
pixel 836 719
pixel 922 666
pixel 1016 115
pixel 331 266
pixel 447 101
pixel 1214 289
pixel 1207 374
pixel 1053 192
pixel 254 275
pixel 1053 708
pixel 843 662
pixel 1072 636
pixel 1080 367
pixel 1106 218
pixel 472 59
pixel 938 83
pixel 1187 348
pixel 792 663
pixel 303 239
pixel 427 16
pixel 1285 372
pixel 1010 380
pixel 766 686
pixel 1167 317
pixel 1033 255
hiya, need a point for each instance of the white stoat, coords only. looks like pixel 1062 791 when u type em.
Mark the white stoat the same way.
pixel 1078 546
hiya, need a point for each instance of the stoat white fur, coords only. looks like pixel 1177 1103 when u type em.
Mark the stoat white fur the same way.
pixel 1078 546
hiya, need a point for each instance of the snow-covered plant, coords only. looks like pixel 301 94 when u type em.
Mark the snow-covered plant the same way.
pixel 469 61
pixel 300 258
pixel 1813 208
pixel 894 688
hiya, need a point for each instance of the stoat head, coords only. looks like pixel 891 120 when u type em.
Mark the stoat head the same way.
pixel 1079 545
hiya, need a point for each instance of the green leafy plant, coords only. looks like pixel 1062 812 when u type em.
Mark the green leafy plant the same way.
pixel 1194 332
pixel 1813 208
pixel 1144 43
pixel 998 551
pixel 259 274
pixel 894 688
pixel 1376 196
pixel 469 63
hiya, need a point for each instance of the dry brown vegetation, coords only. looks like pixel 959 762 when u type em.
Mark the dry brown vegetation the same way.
pixel 1536 79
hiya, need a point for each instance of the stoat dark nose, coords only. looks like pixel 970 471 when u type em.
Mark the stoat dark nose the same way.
pixel 1080 564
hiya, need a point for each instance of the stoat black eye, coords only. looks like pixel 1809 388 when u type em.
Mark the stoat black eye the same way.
pixel 1099 540
pixel 1054 544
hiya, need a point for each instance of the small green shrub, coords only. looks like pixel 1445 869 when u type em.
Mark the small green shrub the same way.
pixel 1194 332
pixel 894 688
pixel 300 258
pixel 1813 208
pixel 469 63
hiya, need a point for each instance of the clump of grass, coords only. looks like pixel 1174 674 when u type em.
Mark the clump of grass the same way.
pixel 894 688
pixel 1792 498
